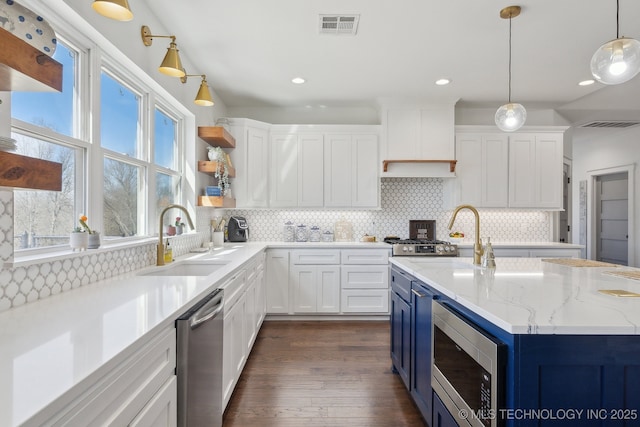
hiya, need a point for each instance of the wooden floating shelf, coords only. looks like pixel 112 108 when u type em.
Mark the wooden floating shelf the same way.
pixel 28 172
pixel 452 163
pixel 216 201
pixel 217 136
pixel 25 68
pixel 211 167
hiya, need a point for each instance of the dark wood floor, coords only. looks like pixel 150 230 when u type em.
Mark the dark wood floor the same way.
pixel 312 374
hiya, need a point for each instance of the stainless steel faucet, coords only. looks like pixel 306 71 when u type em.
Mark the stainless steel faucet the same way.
pixel 160 249
pixel 477 246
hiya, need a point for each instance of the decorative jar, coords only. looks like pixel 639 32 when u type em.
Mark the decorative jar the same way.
pixel 314 234
pixel 301 233
pixel 289 232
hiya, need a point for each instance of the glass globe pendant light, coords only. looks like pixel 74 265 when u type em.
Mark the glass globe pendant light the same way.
pixel 617 61
pixel 511 116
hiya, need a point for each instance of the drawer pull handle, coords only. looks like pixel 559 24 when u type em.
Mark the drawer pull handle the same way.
pixel 418 294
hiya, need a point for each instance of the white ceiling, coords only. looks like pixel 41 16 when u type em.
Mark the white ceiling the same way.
pixel 250 50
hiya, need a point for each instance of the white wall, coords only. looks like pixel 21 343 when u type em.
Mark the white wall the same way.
pixel 605 149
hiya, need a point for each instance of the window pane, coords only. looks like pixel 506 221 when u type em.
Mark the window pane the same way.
pixel 121 183
pixel 165 140
pixel 53 110
pixel 45 218
pixel 119 117
pixel 167 192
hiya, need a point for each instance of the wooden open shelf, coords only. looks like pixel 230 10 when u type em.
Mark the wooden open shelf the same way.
pixel 210 167
pixel 452 163
pixel 28 172
pixel 25 68
pixel 216 201
pixel 217 136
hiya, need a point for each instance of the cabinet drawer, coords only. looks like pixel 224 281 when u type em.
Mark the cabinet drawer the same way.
pixel 364 300
pixel 315 257
pixel 401 284
pixel 365 277
pixel 233 289
pixel 120 396
pixel 365 256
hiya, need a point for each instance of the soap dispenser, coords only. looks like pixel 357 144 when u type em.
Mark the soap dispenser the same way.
pixel 488 258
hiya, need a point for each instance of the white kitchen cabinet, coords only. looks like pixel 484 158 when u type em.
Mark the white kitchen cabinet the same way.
pixel 251 160
pixel 296 170
pixel 482 170
pixel 250 329
pixel 424 132
pixel 277 281
pixel 316 288
pixel 261 291
pixel 133 391
pixel 364 281
pixel 351 171
pixel 234 351
pixel 535 170
pixel 162 410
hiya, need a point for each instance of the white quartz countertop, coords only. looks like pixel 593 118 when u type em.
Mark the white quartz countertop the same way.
pixel 50 346
pixel 530 296
pixel 524 245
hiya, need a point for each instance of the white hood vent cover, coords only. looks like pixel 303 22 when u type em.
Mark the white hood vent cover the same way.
pixel 610 124
pixel 339 24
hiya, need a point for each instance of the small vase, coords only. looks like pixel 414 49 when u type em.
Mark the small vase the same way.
pixel 179 229
pixel 79 241
pixel 94 240
pixel 171 230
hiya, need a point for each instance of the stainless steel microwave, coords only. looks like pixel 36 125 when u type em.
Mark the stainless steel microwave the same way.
pixel 467 369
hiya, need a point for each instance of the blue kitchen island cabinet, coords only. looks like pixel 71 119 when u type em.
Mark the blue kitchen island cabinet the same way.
pixel 401 325
pixel 441 416
pixel 421 299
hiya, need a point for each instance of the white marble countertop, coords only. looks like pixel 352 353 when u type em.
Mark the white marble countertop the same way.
pixel 517 245
pixel 50 346
pixel 529 296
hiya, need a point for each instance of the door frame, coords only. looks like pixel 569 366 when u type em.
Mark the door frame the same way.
pixel 591 210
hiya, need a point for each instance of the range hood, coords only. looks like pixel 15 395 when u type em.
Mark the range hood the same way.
pixel 418 141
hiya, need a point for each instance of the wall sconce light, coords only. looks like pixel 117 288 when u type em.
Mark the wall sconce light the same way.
pixel 511 116
pixel 171 64
pixel 114 9
pixel 617 61
pixel 203 97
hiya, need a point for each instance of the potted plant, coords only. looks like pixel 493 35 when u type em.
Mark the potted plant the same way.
pixel 93 235
pixel 82 237
pixel 179 226
pixel 217 154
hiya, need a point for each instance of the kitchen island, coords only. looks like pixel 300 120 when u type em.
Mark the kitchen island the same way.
pixel 569 346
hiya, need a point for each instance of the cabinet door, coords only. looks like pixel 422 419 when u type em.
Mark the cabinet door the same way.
pixel 256 164
pixel 441 415
pixel 310 170
pixel 338 170
pixel 549 164
pixel 365 183
pixel 277 281
pixel 233 350
pixel 469 169
pixel 284 170
pixel 421 298
pixel 250 316
pixel 522 170
pixel 161 411
pixel 328 289
pixel 401 337
pixel 261 299
pixel 495 171
pixel 304 281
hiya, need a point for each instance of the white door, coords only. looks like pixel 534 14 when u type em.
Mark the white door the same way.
pixel 612 207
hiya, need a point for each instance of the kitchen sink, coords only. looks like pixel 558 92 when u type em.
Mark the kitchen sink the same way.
pixel 186 268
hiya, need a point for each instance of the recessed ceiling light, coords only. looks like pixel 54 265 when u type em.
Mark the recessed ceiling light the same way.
pixel 586 82
pixel 297 80
pixel 442 82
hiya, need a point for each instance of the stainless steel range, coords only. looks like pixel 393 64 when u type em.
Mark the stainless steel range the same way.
pixel 423 248
pixel 422 241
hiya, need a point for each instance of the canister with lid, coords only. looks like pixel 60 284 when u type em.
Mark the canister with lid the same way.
pixel 301 233
pixel 327 236
pixel 289 232
pixel 343 231
pixel 314 234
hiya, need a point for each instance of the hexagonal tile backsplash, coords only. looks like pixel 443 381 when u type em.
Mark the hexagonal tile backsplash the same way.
pixel 402 199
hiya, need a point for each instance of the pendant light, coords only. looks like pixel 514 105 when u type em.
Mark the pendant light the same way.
pixel 511 116
pixel 203 97
pixel 617 61
pixel 114 9
pixel 171 64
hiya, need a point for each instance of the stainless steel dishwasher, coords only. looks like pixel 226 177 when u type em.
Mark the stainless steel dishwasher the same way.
pixel 199 363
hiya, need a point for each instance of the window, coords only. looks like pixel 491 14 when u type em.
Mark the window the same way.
pixel 130 158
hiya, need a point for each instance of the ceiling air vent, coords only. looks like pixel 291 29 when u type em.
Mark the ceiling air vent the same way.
pixel 610 124
pixel 339 24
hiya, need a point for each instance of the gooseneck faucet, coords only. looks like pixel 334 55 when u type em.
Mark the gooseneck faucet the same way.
pixel 477 246
pixel 160 250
